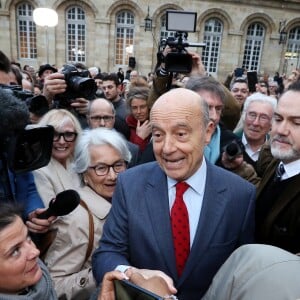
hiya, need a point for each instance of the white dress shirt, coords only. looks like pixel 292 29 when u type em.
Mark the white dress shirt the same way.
pixel 193 197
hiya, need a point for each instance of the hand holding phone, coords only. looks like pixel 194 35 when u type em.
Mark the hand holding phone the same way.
pixel 252 81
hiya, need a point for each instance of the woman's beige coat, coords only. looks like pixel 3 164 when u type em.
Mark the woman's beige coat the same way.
pixel 65 259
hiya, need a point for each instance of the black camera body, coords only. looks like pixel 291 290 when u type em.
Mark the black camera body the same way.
pixel 79 85
pixel 17 91
pixel 234 149
pixel 179 60
pixel 182 22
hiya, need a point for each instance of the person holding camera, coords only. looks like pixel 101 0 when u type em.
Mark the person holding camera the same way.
pixel 20 188
pixel 70 89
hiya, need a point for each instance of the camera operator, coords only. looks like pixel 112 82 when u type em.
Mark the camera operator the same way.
pixel 21 188
pixel 57 85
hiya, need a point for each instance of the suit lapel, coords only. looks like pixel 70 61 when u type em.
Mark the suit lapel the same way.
pixel 156 191
pixel 213 208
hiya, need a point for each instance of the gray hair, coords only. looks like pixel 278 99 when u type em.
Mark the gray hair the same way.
pixel 140 92
pixel 97 137
pixel 206 83
pixel 259 97
pixel 205 110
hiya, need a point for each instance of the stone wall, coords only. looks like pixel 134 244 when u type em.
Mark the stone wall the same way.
pixel 235 16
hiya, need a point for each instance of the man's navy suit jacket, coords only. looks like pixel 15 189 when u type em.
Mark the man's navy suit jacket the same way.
pixel 138 229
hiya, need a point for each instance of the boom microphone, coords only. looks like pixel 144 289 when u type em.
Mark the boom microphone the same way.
pixel 64 203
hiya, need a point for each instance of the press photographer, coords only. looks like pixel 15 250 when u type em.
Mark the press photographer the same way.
pixel 70 89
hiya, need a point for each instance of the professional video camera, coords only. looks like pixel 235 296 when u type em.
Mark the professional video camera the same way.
pixel 21 149
pixel 79 85
pixel 234 148
pixel 178 60
pixel 17 91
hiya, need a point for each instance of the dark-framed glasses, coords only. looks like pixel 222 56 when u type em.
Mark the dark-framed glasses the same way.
pixel 100 118
pixel 103 169
pixel 68 136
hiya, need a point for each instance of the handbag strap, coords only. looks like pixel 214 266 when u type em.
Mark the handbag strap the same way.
pixel 91 231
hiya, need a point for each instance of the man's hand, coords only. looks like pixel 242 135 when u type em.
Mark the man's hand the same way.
pixel 155 284
pixel 232 164
pixel 144 130
pixel 37 225
pixel 81 105
pixel 147 274
pixel 54 84
pixel 197 65
pixel 107 287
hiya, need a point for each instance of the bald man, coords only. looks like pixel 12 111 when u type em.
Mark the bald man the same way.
pixel 141 232
pixel 101 113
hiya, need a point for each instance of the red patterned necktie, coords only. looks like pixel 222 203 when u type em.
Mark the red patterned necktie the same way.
pixel 180 227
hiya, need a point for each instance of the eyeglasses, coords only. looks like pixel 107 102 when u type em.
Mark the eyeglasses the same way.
pixel 104 118
pixel 262 118
pixel 103 169
pixel 68 136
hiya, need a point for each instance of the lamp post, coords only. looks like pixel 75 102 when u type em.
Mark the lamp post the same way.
pixel 282 32
pixel 45 17
pixel 148 22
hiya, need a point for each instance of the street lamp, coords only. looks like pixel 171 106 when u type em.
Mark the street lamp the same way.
pixel 148 22
pixel 282 32
pixel 45 17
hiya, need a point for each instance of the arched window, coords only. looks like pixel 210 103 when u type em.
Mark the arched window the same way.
pixel 26 31
pixel 76 34
pixel 213 30
pixel 293 46
pixel 253 47
pixel 124 37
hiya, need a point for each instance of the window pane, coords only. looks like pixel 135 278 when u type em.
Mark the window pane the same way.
pixel 164 34
pixel 213 30
pixel 124 37
pixel 253 47
pixel 76 35
pixel 26 32
pixel 293 46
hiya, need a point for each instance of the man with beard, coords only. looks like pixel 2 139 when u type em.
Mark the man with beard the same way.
pixel 278 195
pixel 278 167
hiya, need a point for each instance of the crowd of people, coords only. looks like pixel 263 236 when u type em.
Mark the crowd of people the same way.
pixel 189 187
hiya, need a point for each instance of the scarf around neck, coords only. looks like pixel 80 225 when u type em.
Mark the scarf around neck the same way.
pixel 43 290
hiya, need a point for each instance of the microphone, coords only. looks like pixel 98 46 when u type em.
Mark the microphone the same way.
pixel 64 203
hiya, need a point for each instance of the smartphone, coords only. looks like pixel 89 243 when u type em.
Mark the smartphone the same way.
pixel 252 81
pixel 126 290
pixel 238 72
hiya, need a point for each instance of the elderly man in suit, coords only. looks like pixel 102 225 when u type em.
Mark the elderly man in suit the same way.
pixel 153 229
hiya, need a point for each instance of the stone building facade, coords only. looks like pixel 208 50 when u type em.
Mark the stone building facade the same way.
pixel 106 33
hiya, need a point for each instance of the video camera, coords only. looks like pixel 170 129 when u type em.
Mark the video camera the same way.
pixel 178 60
pixel 17 91
pixel 21 149
pixel 79 85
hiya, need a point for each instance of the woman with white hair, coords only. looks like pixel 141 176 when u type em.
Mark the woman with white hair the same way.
pixel 100 155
